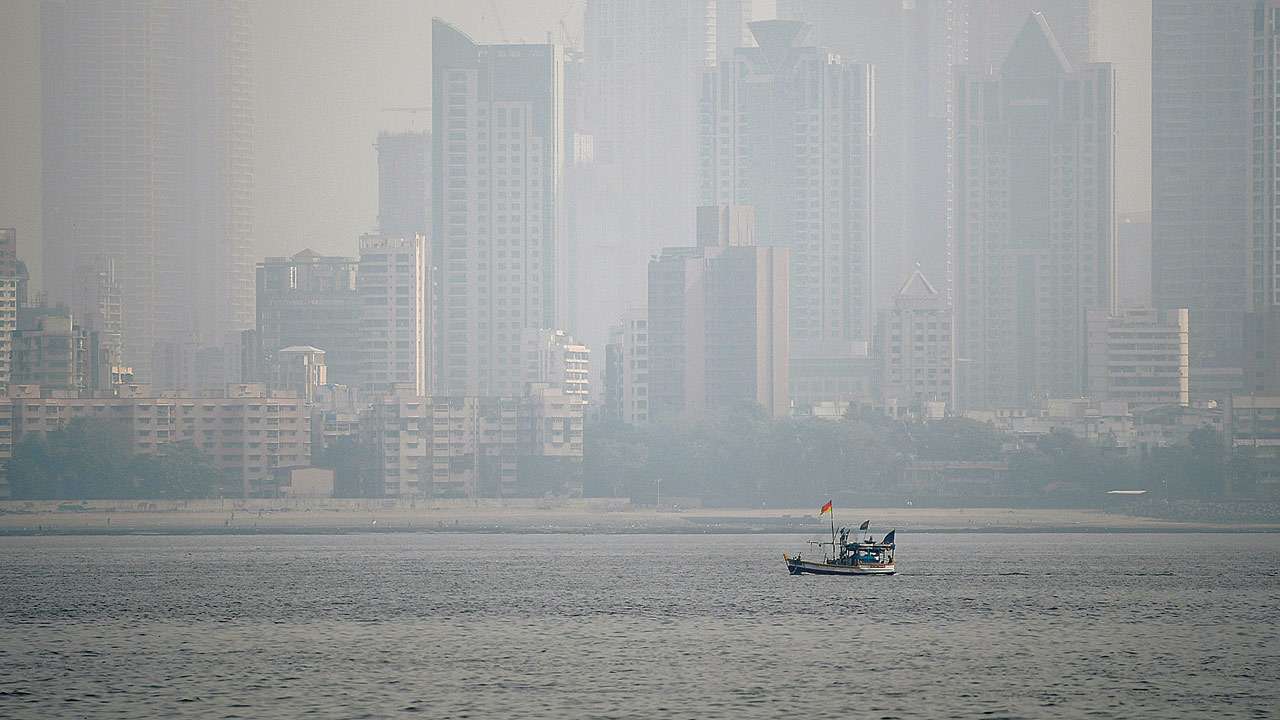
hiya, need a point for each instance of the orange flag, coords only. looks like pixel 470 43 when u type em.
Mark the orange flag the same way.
pixel 825 509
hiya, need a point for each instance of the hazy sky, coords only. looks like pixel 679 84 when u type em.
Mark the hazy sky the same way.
pixel 325 69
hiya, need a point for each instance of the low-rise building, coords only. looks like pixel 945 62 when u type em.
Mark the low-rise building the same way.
pixel 247 431
pixel 1140 356
pixel 464 446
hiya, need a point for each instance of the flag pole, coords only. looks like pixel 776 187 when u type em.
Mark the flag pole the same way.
pixel 833 533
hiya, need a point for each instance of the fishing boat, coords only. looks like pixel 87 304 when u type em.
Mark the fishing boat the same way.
pixel 862 556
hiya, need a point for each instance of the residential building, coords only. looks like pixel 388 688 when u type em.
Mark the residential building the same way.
pixel 718 321
pixel 53 350
pixel 1133 260
pixel 1140 356
pixel 627 372
pixel 392 287
pixel 6 443
pixel 787 128
pixel 1035 221
pixel 554 358
pixel 8 301
pixel 912 48
pixel 461 446
pixel 915 347
pixel 147 142
pixel 247 431
pixel 404 183
pixel 497 171
pixel 642 72
pixel 1252 425
pixel 301 370
pixel 832 379
pixel 394 427
pixel 311 299
pixel 1262 353
pixel 1202 135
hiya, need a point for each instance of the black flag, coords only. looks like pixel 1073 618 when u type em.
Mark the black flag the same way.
pixel 865 525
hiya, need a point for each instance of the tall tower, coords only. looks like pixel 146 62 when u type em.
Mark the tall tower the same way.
pixel 644 64
pixel 497 168
pixel 148 163
pixel 1035 221
pixel 404 183
pixel 1201 173
pixel 787 128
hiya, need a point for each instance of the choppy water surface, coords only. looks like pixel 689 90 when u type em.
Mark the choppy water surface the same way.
pixel 636 626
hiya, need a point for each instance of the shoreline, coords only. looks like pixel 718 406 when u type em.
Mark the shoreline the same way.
pixel 579 519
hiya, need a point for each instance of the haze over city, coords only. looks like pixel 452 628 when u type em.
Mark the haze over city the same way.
pixel 493 351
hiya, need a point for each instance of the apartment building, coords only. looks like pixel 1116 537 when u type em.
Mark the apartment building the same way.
pixel 394 305
pixel 246 430
pixel 310 299
pixel 915 347
pixel 1140 356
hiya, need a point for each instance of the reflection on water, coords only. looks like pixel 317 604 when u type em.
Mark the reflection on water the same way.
pixel 636 626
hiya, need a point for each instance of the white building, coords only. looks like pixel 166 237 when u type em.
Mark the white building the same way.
pixel 915 347
pixel 391 285
pixel 497 123
pixel 1140 356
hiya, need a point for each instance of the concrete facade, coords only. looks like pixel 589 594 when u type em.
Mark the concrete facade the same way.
pixel 915 347
pixel 718 322
pixel 497 167
pixel 1034 221
pixel 1140 356
pixel 147 132
pixel 392 286
pixel 246 430
pixel 788 129
pixel 310 299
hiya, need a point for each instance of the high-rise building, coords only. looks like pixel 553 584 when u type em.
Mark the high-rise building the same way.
pixel 912 47
pixel 391 285
pixel 8 300
pixel 148 162
pixel 1140 356
pixel 787 128
pixel 310 299
pixel 718 316
pixel 1034 221
pixel 627 375
pixel 497 133
pixel 644 62
pixel 1202 125
pixel 404 183
pixel 915 347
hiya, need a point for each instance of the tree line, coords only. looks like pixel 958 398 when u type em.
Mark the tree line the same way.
pixel 92 459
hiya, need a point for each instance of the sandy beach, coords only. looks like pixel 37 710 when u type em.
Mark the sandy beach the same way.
pixel 581 516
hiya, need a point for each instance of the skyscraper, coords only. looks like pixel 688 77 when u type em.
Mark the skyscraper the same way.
pixel 394 307
pixel 497 133
pixel 912 47
pixel 717 328
pixel 1034 221
pixel 311 300
pixel 787 128
pixel 644 61
pixel 1201 173
pixel 148 163
pixel 404 183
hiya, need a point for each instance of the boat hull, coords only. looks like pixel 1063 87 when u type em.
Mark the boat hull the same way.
pixel 801 567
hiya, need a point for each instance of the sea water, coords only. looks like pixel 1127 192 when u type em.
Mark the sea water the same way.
pixel 636 626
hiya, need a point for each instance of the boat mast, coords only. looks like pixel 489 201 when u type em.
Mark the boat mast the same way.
pixel 833 534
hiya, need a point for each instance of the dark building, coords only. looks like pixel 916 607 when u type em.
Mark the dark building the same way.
pixel 310 299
